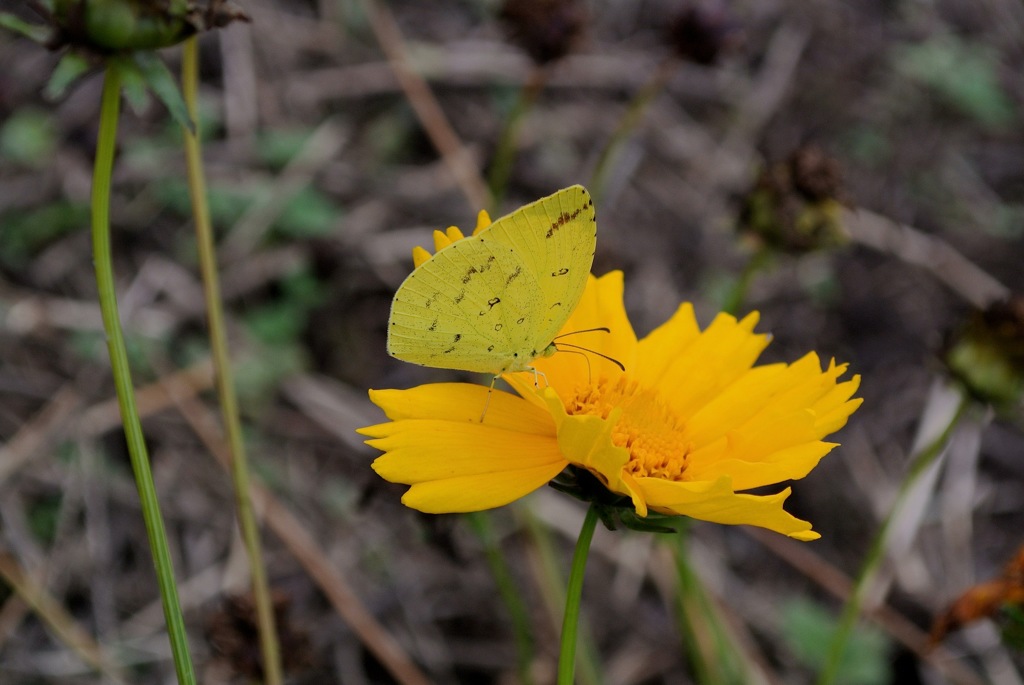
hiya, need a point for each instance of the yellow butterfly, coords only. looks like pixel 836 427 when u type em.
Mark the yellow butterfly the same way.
pixel 494 301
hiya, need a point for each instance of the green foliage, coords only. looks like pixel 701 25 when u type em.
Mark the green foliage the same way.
pixel 309 214
pixel 277 147
pixel 164 85
pixel 43 514
pixel 1013 626
pixel 963 73
pixel 143 73
pixel 39 34
pixel 226 204
pixel 808 629
pixel 868 145
pixel 256 377
pixel 282 321
pixel 92 346
pixel 28 137
pixel 23 233
pixel 69 69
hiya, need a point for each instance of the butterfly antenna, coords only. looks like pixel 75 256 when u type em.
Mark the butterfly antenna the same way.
pixel 602 329
pixel 594 352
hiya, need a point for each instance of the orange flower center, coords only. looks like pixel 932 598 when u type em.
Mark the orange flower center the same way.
pixel 648 428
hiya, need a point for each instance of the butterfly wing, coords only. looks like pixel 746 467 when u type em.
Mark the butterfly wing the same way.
pixel 555 237
pixel 473 306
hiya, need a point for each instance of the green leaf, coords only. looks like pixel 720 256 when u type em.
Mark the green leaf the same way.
pixel 226 204
pixel 40 34
pixel 307 215
pixel 276 147
pixel 23 233
pixel 133 83
pixel 963 73
pixel 1012 626
pixel 160 80
pixel 28 137
pixel 808 628
pixel 70 67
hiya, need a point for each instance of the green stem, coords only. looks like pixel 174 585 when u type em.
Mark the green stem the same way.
pixel 122 376
pixel 689 611
pixel 630 118
pixel 738 293
pixel 573 595
pixel 876 553
pixel 222 371
pixel 510 594
pixel 504 154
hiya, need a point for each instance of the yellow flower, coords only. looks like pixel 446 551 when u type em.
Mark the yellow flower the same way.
pixel 687 427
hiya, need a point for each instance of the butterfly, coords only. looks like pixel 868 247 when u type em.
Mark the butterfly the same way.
pixel 495 301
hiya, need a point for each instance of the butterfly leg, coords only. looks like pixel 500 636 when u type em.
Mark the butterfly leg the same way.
pixel 487 402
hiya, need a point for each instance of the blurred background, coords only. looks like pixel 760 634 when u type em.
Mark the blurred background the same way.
pixel 858 166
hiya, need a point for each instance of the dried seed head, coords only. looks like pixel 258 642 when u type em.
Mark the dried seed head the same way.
pixel 233 634
pixel 547 29
pixel 987 354
pixel 795 205
pixel 702 32
pixel 816 176
pixel 108 26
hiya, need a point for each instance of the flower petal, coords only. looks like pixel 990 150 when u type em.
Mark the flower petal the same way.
pixel 662 346
pixel 788 464
pixel 418 450
pixel 419 256
pixel 462 402
pixel 587 441
pixel 475 493
pixel 716 502
pixel 483 220
pixel 711 362
pixel 441 240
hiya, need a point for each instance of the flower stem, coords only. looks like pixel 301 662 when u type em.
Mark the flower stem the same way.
pixel 222 371
pixel 504 154
pixel 573 595
pixel 483 527
pixel 102 173
pixel 876 553
pixel 630 118
pixel 738 292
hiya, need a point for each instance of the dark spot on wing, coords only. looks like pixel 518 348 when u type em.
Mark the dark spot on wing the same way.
pixel 513 276
pixel 460 297
pixel 450 349
pixel 497 326
pixel 457 338
pixel 555 304
pixel 561 272
pixel 469 275
pixel 490 348
pixel 562 220
pixel 493 301
pixel 433 326
pixel 521 319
